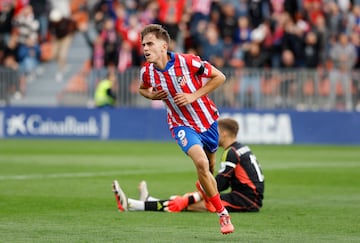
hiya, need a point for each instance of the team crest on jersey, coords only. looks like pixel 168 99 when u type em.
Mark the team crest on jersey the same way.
pixel 181 80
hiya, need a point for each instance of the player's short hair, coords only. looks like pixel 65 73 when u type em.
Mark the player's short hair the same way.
pixel 229 124
pixel 157 30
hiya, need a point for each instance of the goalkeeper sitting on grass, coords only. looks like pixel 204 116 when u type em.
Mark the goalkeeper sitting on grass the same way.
pixel 239 171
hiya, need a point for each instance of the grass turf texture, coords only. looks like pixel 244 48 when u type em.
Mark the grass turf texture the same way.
pixel 60 191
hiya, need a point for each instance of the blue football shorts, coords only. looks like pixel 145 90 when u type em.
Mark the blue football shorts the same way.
pixel 186 137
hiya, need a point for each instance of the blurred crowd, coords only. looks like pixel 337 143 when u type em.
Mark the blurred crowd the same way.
pixel 228 33
pixel 33 32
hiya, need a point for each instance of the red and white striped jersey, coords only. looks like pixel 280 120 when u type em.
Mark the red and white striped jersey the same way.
pixel 184 73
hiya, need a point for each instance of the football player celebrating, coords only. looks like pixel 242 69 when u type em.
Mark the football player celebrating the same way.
pixel 179 81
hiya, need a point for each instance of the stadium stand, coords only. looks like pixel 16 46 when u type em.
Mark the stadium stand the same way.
pixel 45 90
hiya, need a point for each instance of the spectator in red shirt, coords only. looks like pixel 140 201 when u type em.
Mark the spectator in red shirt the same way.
pixel 170 16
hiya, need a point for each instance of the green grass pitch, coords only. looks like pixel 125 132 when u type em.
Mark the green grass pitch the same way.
pixel 60 191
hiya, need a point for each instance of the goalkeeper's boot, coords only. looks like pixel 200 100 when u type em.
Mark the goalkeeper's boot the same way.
pixel 208 204
pixel 121 199
pixel 143 191
pixel 226 226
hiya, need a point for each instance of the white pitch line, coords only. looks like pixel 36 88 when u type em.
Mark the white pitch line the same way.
pixel 77 175
pixel 60 175
pixel 277 166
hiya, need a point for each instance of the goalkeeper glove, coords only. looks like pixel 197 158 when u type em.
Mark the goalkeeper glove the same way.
pixel 176 204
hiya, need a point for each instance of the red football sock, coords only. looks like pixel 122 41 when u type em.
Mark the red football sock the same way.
pixel 216 201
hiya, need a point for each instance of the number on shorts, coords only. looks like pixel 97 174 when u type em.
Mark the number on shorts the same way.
pixel 181 134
